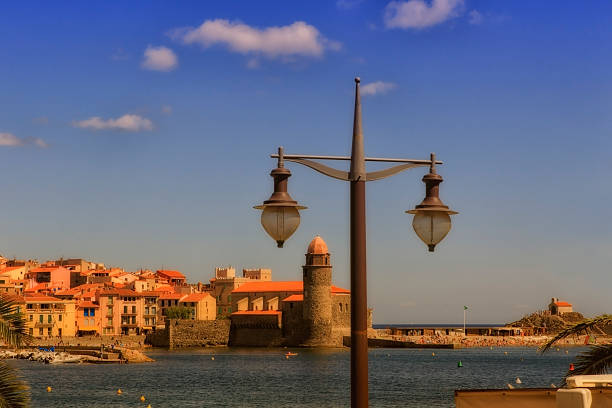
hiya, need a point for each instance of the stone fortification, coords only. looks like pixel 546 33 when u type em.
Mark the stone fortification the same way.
pixel 256 330
pixel 317 307
pixel 191 333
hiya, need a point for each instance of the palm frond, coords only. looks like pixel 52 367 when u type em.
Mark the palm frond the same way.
pixel 596 360
pixel 14 392
pixel 577 328
pixel 12 324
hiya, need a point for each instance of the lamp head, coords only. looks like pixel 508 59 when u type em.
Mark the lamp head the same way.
pixel 280 217
pixel 431 220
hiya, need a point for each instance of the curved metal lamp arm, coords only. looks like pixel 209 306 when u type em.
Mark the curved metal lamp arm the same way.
pixel 321 168
pixel 344 175
pixel 378 175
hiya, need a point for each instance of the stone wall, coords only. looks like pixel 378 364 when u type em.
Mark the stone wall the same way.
pixel 191 333
pixel 197 333
pixel 158 338
pixel 256 330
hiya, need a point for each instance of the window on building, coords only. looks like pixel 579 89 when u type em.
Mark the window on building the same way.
pixel 49 332
pixel 31 318
pixel 133 309
pixel 229 310
pixel 124 309
pixel 41 318
pixel 92 312
pixel 40 331
pixel 340 306
pixel 153 310
pixel 153 321
pixel 59 317
pixel 110 300
pixel 31 332
pixel 49 317
pixel 85 312
pixel 110 321
pixel 59 332
pixel 133 319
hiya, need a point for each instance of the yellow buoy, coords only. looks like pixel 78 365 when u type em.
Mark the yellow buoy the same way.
pixel 506 353
pixel 149 406
pixel 119 392
pixel 142 398
pixel 433 354
pixel 212 358
pixel 287 357
pixel 49 389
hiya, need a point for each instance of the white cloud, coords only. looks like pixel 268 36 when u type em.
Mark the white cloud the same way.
pixel 128 122
pixel 159 59
pixel 378 87
pixel 418 14
pixel 475 17
pixel 297 39
pixel 166 109
pixel 9 139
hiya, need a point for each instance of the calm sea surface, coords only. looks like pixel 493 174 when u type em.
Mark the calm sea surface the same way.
pixel 265 378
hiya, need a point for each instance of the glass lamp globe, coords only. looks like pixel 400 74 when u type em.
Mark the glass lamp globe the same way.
pixel 431 227
pixel 280 222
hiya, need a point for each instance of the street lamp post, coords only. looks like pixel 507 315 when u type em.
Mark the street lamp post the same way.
pixel 280 218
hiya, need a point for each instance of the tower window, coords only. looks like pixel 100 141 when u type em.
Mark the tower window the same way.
pixel 340 306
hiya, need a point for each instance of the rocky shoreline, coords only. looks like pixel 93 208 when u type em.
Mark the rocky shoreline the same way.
pixel 117 356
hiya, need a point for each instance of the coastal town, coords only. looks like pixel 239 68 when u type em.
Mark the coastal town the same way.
pixel 67 299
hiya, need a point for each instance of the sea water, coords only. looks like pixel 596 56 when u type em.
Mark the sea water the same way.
pixel 226 377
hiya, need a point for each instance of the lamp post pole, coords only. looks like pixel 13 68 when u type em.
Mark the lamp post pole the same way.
pixel 359 301
pixel 280 219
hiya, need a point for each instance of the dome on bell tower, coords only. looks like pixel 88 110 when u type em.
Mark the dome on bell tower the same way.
pixel 318 246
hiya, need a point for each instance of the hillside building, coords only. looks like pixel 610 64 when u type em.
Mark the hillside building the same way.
pixel 557 307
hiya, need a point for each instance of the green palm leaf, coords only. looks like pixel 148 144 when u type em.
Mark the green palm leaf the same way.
pixel 578 328
pixel 14 392
pixel 596 360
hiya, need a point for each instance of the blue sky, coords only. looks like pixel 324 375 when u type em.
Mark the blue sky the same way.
pixel 138 133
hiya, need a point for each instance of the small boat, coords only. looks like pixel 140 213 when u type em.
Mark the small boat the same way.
pixel 290 354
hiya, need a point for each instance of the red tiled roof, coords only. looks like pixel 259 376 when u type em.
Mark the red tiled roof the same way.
pixel 257 312
pixel 165 288
pixel 563 304
pixel 171 296
pixel 13 298
pixel 37 287
pixel 279 286
pixel 339 291
pixel 151 293
pixel 41 298
pixel 270 286
pixel 294 298
pixel 79 289
pixel 171 274
pixel 82 305
pixel 46 269
pixel 195 297
pixel 10 268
